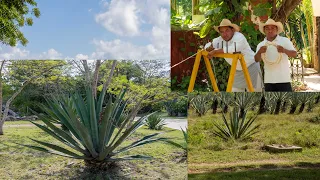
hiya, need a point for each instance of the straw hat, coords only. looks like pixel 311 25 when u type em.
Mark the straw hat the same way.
pixel 227 22
pixel 271 22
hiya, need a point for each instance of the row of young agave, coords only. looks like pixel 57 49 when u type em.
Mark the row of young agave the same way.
pixel 267 102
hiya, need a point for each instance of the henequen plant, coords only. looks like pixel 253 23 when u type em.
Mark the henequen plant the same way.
pixel 236 128
pixel 92 134
pixel 155 122
pixel 200 104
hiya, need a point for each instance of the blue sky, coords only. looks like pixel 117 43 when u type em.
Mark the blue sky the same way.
pixel 96 29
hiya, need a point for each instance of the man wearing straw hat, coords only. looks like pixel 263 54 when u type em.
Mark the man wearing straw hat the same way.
pixel 275 51
pixel 230 41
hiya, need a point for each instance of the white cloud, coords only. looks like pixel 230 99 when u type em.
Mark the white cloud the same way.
pixel 81 57
pixel 50 54
pixel 128 18
pixel 119 50
pixel 121 18
pixel 104 3
pixel 13 53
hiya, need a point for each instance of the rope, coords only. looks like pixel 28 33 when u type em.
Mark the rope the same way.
pixel 266 60
pixel 185 60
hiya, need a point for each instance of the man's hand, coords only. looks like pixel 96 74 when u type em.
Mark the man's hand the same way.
pixel 257 57
pixel 289 53
pixel 263 49
pixel 210 49
pixel 281 49
pixel 213 52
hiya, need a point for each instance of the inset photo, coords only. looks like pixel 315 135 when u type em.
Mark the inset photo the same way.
pixel 247 46
pixel 242 135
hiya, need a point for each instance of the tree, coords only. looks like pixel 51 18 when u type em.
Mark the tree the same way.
pixel 283 8
pixel 15 14
pixel 33 70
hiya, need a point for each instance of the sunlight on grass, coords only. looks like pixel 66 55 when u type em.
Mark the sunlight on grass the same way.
pixel 18 162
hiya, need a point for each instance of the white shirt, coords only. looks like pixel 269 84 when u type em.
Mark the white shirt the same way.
pixel 240 42
pixel 278 73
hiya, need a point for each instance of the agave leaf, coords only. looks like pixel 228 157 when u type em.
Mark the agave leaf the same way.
pixel 141 140
pixel 58 148
pixel 185 134
pixel 126 121
pixel 78 128
pixel 175 144
pixel 53 152
pixel 134 145
pixel 125 134
pixel 58 134
pixel 114 113
pixel 134 157
pixel 105 126
pixel 81 109
pixel 93 118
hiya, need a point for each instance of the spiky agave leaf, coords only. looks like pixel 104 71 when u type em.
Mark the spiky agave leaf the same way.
pixel 236 127
pixel 91 127
pixel 181 146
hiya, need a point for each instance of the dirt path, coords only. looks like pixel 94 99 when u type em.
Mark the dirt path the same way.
pixel 269 164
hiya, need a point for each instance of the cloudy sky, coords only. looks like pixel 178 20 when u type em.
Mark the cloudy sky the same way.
pixel 96 29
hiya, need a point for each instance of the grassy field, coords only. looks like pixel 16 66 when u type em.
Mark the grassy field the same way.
pixel 18 162
pixel 208 154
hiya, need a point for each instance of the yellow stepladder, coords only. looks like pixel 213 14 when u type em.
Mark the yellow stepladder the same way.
pixel 235 57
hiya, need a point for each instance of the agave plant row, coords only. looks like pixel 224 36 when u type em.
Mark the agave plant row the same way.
pixel 267 102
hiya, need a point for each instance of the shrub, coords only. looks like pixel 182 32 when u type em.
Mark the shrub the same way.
pixel 237 128
pixel 155 122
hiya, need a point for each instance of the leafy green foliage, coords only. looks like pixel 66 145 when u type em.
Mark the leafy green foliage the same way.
pixel 237 128
pixel 91 132
pixel 155 122
pixel 14 15
pixel 262 9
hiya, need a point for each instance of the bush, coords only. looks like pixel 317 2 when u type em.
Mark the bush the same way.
pixel 155 122
pixel 237 128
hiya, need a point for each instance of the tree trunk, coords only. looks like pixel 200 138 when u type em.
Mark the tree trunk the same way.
pixel 282 13
pixel 95 78
pixel 106 84
pixel 1 127
pixel 316 41
pixel 214 106
pixel 293 109
pixel 225 108
pixel 301 108
pixel 1 67
pixel 277 110
pixel 284 107
pixel 262 108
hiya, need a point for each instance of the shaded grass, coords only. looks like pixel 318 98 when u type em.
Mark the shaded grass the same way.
pixel 297 174
pixel 207 152
pixel 18 162
pixel 20 122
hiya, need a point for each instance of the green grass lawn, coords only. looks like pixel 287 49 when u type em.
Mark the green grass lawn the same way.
pixel 18 162
pixel 296 174
pixel 208 154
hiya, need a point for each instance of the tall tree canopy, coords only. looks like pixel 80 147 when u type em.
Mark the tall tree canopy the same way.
pixel 13 15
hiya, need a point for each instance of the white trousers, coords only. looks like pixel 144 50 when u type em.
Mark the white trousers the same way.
pixel 257 87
